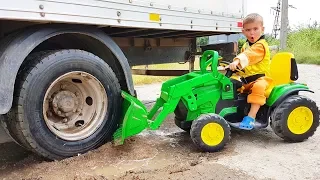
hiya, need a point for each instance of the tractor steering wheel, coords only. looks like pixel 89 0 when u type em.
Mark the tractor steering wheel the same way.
pixel 229 72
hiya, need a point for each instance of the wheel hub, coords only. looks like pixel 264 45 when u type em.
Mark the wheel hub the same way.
pixel 212 134
pixel 75 105
pixel 65 103
pixel 300 120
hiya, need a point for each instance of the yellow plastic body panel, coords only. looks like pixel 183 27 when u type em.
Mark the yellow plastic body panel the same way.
pixel 281 68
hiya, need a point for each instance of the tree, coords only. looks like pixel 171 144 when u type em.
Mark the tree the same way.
pixel 202 41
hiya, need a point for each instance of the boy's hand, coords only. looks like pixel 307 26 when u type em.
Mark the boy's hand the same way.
pixel 234 64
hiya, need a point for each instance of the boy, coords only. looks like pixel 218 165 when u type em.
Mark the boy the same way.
pixel 254 59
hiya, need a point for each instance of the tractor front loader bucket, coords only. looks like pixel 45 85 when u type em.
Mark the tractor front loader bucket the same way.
pixel 134 118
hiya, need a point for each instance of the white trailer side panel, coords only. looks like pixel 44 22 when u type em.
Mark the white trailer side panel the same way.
pixel 219 7
pixel 191 15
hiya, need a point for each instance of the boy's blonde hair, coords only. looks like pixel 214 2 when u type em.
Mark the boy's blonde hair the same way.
pixel 250 18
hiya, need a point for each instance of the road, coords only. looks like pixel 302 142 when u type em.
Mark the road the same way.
pixel 169 153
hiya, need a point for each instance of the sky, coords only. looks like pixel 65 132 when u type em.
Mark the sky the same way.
pixel 307 11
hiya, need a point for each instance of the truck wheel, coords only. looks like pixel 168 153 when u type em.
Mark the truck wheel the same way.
pixel 8 121
pixel 67 102
pixel 295 119
pixel 210 132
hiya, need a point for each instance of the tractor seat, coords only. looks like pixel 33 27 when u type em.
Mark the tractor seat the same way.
pixel 283 70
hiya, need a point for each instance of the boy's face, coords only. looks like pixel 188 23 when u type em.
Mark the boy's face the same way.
pixel 253 31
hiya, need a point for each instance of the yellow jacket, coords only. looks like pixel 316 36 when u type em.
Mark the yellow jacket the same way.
pixel 255 59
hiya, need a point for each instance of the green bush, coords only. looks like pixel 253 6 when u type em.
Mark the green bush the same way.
pixel 272 41
pixel 304 43
pixel 240 44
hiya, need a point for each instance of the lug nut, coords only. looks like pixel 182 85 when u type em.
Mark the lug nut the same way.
pixel 63 86
pixel 49 98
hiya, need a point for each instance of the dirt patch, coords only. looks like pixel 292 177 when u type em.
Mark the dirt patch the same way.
pixel 143 157
pixel 167 153
pixel 182 171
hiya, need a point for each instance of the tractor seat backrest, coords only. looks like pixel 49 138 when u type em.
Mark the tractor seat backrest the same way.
pixel 283 68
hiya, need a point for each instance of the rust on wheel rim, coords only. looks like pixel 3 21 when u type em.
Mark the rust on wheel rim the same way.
pixel 75 105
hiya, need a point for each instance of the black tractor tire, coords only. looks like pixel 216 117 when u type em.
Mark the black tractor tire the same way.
pixel 197 129
pixel 182 124
pixel 25 121
pixel 280 117
pixel 181 112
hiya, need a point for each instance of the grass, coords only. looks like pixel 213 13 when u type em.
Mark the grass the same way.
pixel 305 45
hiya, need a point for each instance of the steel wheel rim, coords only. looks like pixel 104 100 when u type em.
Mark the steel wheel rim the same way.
pixel 75 105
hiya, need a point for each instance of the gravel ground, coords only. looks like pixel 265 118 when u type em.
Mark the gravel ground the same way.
pixel 168 153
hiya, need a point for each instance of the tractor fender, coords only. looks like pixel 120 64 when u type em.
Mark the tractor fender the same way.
pixel 17 46
pixel 289 93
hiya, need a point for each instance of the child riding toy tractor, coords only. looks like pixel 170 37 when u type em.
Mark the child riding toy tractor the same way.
pixel 208 103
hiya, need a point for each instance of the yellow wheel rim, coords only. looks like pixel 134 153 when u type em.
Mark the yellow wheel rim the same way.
pixel 212 134
pixel 300 120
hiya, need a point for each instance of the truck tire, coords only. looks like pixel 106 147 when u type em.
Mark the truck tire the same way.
pixel 8 121
pixel 66 103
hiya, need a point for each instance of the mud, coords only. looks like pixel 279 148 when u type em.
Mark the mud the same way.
pixel 168 153
pixel 151 155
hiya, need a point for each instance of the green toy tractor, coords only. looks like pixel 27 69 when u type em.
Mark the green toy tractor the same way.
pixel 208 103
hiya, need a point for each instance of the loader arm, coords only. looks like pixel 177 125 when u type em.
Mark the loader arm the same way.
pixel 136 117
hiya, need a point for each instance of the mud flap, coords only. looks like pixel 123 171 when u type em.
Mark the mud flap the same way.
pixel 134 118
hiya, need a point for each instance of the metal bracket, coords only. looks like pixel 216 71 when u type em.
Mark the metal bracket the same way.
pixel 147 45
